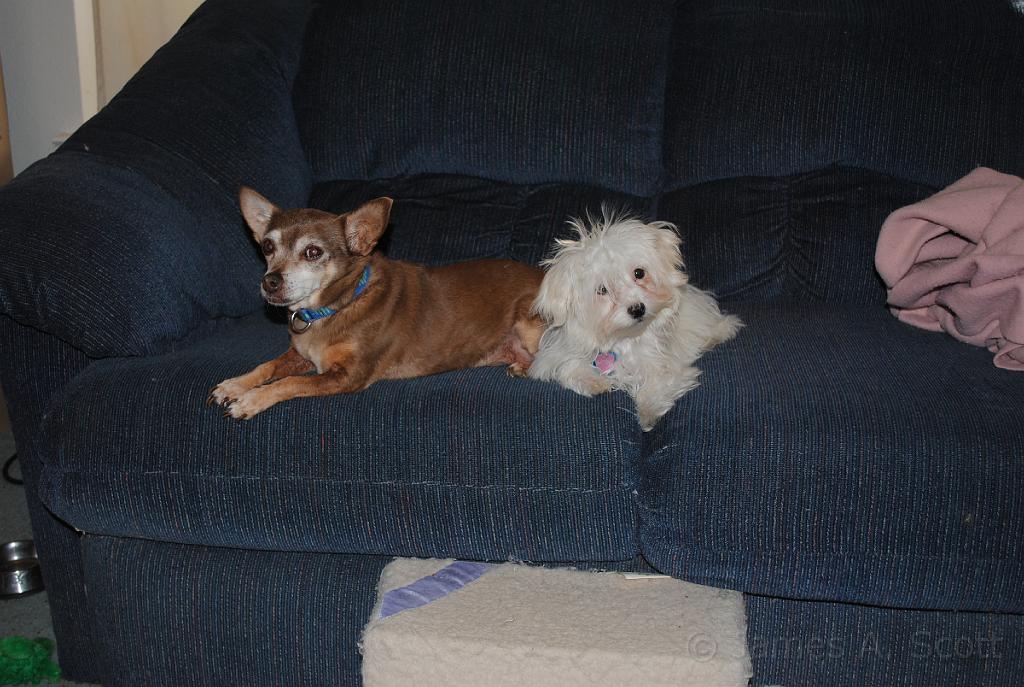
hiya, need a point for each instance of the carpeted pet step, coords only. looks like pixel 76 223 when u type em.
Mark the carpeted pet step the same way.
pixel 449 624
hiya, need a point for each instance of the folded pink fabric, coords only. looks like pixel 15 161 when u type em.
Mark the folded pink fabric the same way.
pixel 954 262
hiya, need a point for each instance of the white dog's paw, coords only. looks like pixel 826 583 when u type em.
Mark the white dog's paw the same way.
pixel 587 383
pixel 227 391
pixel 726 328
pixel 598 385
pixel 648 413
pixel 648 417
pixel 658 397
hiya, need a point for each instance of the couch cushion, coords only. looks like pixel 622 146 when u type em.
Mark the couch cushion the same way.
pixel 465 464
pixel 835 453
pixel 793 642
pixel 191 616
pixel 439 219
pixel 528 91
pixel 924 90
pixel 801 238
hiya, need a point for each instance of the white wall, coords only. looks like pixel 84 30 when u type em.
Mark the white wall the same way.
pixel 41 75
pixel 63 59
pixel 5 141
pixel 128 33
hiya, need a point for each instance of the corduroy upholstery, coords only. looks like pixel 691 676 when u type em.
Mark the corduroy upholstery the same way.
pixel 857 478
pixel 834 453
pixel 505 91
pixel 823 643
pixel 441 466
pixel 496 220
pixel 800 238
pixel 916 89
pixel 129 237
pixel 227 616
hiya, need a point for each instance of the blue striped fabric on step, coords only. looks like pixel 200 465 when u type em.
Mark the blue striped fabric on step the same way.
pixel 425 590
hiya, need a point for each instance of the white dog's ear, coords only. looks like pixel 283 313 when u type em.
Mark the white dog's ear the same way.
pixel 669 242
pixel 556 297
pixel 669 246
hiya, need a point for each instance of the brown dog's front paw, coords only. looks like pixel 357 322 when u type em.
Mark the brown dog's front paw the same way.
pixel 217 397
pixel 246 406
pixel 517 370
pixel 226 392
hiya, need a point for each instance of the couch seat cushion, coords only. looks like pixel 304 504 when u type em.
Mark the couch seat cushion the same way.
pixel 835 453
pixel 465 464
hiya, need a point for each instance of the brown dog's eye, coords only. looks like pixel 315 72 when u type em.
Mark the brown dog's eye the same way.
pixel 602 290
pixel 268 246
pixel 313 252
pixel 639 273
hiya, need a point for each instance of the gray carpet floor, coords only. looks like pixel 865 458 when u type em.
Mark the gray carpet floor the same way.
pixel 29 615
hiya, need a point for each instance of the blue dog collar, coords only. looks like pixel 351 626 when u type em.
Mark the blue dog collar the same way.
pixel 310 316
pixel 361 286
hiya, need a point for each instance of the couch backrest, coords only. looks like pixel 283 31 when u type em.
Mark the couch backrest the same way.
pixel 523 92
pixel 921 90
pixel 794 127
pixel 778 134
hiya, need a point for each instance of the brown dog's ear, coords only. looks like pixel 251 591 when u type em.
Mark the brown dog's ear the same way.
pixel 365 224
pixel 257 211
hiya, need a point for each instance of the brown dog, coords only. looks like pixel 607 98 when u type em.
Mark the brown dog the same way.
pixel 357 317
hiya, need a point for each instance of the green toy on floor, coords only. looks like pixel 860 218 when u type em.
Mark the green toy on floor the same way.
pixel 25 661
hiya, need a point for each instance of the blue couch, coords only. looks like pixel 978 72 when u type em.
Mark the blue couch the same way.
pixel 858 479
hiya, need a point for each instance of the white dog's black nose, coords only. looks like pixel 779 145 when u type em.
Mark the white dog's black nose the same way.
pixel 636 311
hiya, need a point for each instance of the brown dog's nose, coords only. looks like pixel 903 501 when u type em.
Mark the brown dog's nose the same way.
pixel 636 311
pixel 272 282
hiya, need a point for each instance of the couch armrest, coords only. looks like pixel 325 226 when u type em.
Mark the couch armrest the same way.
pixel 34 368
pixel 129 236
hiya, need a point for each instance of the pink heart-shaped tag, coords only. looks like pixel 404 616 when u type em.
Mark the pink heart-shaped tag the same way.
pixel 605 362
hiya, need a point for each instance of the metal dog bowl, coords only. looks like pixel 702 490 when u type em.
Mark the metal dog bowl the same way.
pixel 19 568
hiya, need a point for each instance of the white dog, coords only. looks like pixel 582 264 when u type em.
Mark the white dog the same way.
pixel 622 316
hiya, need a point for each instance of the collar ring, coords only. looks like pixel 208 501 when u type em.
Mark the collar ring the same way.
pixel 291 323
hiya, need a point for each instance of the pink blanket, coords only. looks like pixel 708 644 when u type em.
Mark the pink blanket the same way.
pixel 954 262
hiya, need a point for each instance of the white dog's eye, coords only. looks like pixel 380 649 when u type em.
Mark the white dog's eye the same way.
pixel 602 291
pixel 639 273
